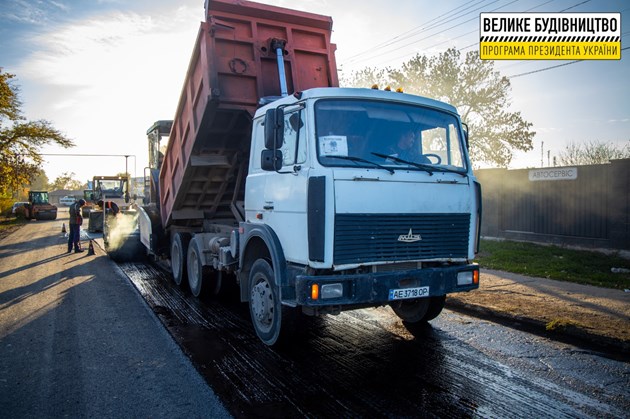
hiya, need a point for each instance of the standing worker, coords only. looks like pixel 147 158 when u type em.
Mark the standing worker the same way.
pixel 74 235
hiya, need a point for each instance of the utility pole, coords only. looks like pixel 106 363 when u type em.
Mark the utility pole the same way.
pixel 542 154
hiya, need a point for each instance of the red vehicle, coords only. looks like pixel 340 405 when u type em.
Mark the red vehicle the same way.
pixel 38 207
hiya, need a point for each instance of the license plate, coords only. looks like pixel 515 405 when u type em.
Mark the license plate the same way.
pixel 406 293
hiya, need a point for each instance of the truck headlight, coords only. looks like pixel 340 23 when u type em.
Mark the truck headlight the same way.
pixel 468 277
pixel 331 291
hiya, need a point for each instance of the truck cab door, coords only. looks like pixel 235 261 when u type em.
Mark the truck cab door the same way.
pixel 282 193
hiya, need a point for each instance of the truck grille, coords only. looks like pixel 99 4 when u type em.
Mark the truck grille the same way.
pixel 363 238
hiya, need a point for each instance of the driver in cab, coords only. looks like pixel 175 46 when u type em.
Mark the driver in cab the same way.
pixel 407 148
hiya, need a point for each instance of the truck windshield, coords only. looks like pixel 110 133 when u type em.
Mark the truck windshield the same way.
pixel 394 135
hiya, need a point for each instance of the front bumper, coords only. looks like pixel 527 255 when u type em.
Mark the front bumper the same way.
pixel 374 288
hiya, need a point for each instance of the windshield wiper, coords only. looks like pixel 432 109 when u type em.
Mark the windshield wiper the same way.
pixel 426 167
pixel 359 159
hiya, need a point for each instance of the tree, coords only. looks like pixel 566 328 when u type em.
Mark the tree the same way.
pixel 40 181
pixel 66 181
pixel 21 140
pixel 481 95
pixel 592 152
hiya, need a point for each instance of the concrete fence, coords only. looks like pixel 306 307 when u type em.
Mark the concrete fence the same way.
pixel 586 206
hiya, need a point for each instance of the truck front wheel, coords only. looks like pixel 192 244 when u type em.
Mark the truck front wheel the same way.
pixel 416 313
pixel 411 310
pixel 272 321
pixel 179 250
pixel 436 304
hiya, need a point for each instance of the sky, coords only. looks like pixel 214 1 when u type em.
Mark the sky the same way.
pixel 102 71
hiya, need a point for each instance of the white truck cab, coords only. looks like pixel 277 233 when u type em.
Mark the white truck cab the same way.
pixel 351 218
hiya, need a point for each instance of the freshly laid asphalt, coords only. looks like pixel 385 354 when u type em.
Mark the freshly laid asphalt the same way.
pixel 77 339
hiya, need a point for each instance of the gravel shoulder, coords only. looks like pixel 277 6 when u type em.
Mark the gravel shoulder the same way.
pixel 557 309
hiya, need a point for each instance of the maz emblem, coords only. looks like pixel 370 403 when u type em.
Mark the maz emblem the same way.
pixel 409 237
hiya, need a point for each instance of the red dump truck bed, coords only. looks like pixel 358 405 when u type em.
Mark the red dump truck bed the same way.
pixel 234 65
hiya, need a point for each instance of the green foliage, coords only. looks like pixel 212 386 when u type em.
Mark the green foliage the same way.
pixel 40 181
pixel 66 181
pixel 560 324
pixel 553 262
pixel 593 152
pixel 21 140
pixel 481 95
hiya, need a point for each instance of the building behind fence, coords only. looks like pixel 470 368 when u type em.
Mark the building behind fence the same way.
pixel 585 206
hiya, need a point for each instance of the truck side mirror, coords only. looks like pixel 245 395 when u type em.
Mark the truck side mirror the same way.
pixel 465 127
pixel 274 129
pixel 271 160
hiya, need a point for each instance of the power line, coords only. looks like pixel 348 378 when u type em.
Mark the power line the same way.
pixel 400 38
pixel 574 6
pixel 524 11
pixel 520 62
pixel 410 33
pixel 394 39
pixel 444 30
pixel 552 67
pixel 450 19
pixel 378 54
pixel 544 69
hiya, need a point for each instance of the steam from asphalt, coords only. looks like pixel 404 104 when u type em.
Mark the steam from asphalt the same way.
pixel 120 228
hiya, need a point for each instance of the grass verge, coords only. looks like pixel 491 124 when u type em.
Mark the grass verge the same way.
pixel 9 224
pixel 553 262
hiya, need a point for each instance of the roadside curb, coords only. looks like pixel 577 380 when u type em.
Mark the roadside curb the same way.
pixel 570 334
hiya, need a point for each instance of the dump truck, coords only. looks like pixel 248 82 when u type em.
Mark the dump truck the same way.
pixel 39 207
pixel 280 183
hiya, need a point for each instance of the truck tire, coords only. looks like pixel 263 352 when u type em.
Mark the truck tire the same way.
pixel 435 308
pixel 179 251
pixel 195 268
pixel 411 311
pixel 416 314
pixel 272 321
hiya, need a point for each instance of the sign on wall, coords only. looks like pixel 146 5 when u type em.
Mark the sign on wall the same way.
pixel 564 173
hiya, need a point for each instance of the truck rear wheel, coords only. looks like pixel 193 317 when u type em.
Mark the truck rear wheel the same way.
pixel 272 321
pixel 179 250
pixel 195 268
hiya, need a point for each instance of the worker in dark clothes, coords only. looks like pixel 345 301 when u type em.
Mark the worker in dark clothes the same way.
pixel 74 235
pixel 110 207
